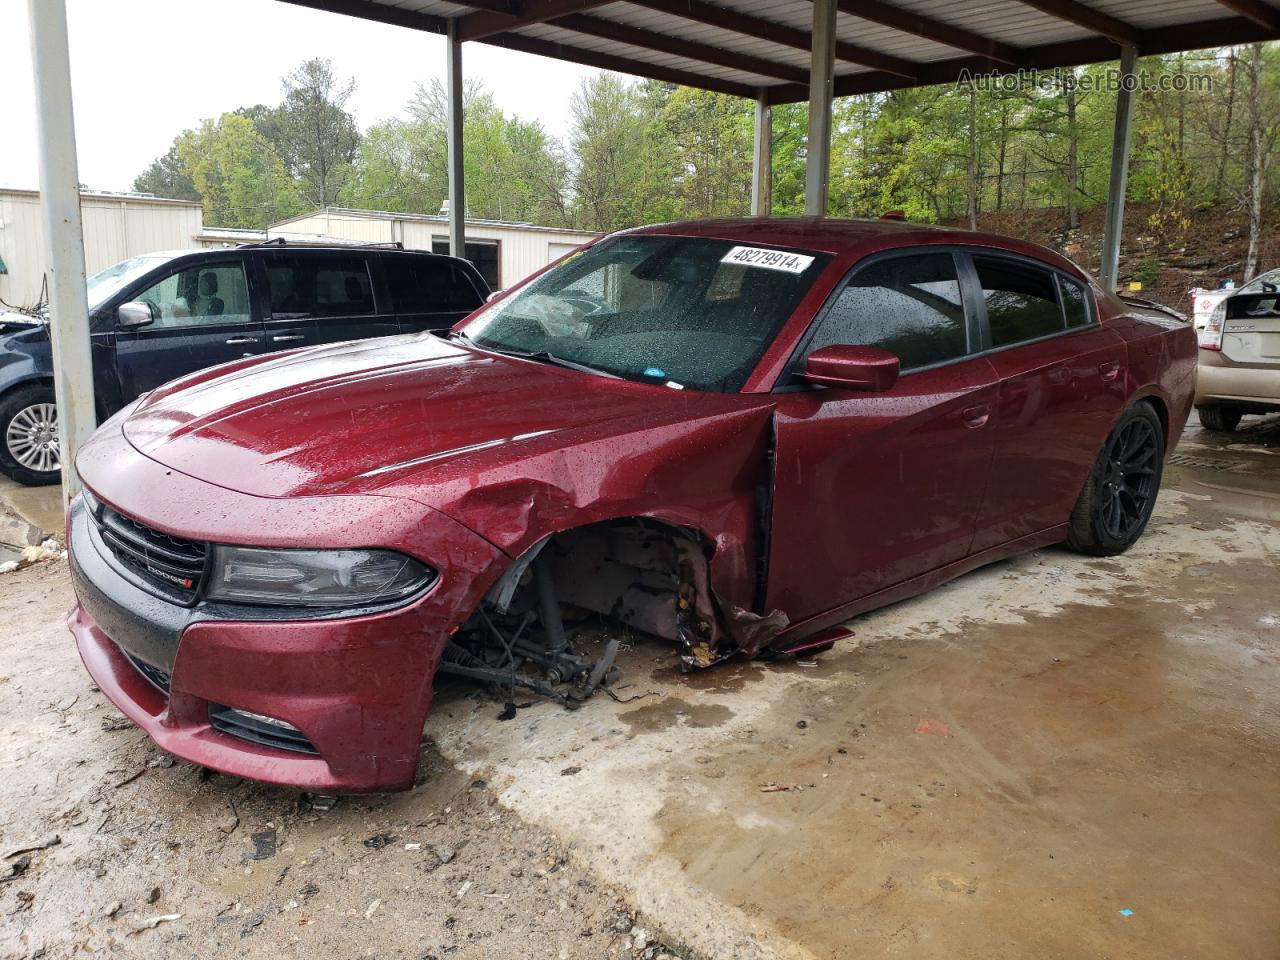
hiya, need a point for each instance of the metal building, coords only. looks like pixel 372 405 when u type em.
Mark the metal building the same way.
pixel 504 252
pixel 116 226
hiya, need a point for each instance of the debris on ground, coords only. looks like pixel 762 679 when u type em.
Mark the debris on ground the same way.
pixel 935 727
pixel 772 787
pixel 152 922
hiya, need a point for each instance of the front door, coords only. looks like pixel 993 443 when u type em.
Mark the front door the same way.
pixel 871 489
pixel 203 316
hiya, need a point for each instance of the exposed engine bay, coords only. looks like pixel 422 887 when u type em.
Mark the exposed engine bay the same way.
pixel 635 575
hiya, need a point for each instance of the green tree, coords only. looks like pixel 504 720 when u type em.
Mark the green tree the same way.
pixel 314 134
pixel 240 178
pixel 166 177
pixel 608 143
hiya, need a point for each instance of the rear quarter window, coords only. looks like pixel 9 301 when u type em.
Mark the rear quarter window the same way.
pixel 430 285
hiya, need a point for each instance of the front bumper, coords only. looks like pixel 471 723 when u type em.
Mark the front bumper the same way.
pixel 357 687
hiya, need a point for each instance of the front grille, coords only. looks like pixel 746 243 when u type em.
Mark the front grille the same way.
pixel 237 724
pixel 153 675
pixel 171 566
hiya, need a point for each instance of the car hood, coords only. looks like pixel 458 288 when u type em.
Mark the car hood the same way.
pixel 403 412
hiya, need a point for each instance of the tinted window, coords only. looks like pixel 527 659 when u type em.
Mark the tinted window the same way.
pixel 319 286
pixel 1022 300
pixel 428 285
pixel 1074 304
pixel 483 256
pixel 910 306
pixel 211 293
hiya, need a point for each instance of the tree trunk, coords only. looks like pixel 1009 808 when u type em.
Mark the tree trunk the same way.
pixel 1073 161
pixel 1255 160
pixel 972 158
pixel 1001 153
pixel 1221 178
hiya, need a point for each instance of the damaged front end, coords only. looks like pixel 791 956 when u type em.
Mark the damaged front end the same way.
pixel 632 575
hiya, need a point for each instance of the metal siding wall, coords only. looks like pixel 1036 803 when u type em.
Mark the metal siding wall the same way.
pixel 114 229
pixel 22 247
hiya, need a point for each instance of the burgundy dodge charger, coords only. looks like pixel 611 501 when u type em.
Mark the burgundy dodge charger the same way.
pixel 734 435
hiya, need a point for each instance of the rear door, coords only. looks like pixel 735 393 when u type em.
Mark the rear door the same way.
pixel 1062 385
pixel 430 292
pixel 322 296
pixel 872 489
pixel 204 316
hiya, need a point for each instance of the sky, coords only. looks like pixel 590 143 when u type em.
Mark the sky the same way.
pixel 144 70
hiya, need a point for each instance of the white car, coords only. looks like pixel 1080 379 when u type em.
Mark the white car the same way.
pixel 1239 368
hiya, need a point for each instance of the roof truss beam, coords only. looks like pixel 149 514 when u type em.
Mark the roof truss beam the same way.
pixel 609 61
pixel 689 49
pixel 487 23
pixel 377 12
pixel 1260 13
pixel 1092 20
pixel 726 19
pixel 947 34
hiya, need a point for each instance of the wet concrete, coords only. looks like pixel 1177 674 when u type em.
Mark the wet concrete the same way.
pixel 41 506
pixel 1055 756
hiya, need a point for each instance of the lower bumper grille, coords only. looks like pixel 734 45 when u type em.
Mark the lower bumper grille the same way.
pixel 153 675
pixel 238 723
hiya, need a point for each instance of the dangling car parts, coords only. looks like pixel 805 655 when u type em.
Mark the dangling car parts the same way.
pixel 733 435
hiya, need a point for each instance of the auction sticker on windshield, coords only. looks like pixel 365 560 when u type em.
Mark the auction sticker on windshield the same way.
pixel 768 259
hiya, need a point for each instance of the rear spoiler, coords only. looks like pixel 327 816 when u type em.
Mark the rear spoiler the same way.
pixel 1152 305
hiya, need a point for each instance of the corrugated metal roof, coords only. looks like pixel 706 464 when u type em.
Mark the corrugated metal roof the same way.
pixel 748 46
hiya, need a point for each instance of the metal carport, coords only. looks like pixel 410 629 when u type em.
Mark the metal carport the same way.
pixel 771 51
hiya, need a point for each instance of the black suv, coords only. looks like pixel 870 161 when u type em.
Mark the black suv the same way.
pixel 159 316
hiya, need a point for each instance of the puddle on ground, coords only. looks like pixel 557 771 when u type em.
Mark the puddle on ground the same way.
pixel 672 712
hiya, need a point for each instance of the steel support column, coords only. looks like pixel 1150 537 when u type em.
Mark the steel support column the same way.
pixel 822 58
pixel 63 235
pixel 762 159
pixel 453 136
pixel 1113 225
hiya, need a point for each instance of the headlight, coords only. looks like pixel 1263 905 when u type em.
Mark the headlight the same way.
pixel 325 578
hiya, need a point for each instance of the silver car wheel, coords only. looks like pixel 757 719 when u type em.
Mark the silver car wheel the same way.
pixel 32 437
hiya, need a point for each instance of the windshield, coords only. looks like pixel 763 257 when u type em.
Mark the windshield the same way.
pixel 681 311
pixel 1264 282
pixel 104 285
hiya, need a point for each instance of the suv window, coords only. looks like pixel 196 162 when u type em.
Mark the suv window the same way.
pixel 1022 300
pixel 319 286
pixel 429 285
pixel 908 305
pixel 210 293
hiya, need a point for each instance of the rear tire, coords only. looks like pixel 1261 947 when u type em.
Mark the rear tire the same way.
pixel 28 423
pixel 1120 492
pixel 1217 417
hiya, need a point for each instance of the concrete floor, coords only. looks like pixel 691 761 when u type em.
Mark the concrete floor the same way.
pixel 998 769
pixel 41 506
pixel 1055 756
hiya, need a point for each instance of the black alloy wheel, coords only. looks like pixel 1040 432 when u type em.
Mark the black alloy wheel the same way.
pixel 1120 493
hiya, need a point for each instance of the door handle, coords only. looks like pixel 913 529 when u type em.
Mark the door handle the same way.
pixel 1109 370
pixel 280 338
pixel 976 416
pixel 236 340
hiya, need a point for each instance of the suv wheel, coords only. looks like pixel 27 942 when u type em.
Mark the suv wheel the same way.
pixel 29 450
pixel 1221 418
pixel 1120 493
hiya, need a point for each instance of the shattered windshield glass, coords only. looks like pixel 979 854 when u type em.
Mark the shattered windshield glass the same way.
pixel 683 311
